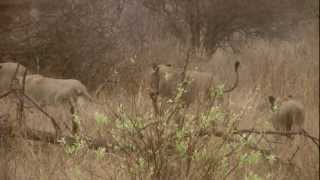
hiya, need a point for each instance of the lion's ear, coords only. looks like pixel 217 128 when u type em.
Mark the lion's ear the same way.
pixel 155 67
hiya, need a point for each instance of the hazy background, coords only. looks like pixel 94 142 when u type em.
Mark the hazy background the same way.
pixel 111 43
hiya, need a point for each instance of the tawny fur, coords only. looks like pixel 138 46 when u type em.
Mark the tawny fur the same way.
pixel 289 117
pixel 197 88
pixel 50 91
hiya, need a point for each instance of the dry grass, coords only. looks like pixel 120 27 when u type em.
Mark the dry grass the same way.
pixel 268 68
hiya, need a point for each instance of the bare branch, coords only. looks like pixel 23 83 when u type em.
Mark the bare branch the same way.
pixel 304 133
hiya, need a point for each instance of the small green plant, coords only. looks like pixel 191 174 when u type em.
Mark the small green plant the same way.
pixel 250 159
pixel 251 140
pixel 252 176
pixel 141 163
pixel 75 147
pixel 76 119
pixel 76 172
pixel 181 147
pixel 213 117
pixel 225 165
pixel 181 144
pixel 217 91
pixel 275 108
pixel 200 155
pixel 271 158
pixel 126 123
pixel 100 152
pixel 180 91
pixel 101 119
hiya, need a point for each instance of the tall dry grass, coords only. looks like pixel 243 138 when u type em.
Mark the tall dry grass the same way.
pixel 267 68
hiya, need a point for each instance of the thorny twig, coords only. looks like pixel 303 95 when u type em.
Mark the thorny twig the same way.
pixel 5 94
pixel 294 154
pixel 19 94
pixel 304 133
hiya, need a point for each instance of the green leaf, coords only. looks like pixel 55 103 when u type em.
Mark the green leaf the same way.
pixel 101 119
pixel 100 152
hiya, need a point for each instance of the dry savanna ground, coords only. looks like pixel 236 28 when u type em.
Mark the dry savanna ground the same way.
pixel 137 144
